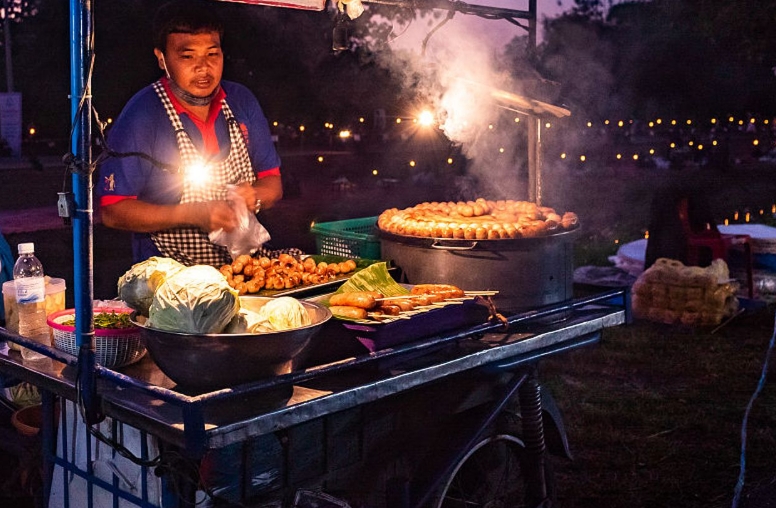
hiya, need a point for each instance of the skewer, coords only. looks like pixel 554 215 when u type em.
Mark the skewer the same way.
pixel 480 293
pixel 388 316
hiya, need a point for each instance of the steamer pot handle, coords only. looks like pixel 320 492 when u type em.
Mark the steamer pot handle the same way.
pixel 437 245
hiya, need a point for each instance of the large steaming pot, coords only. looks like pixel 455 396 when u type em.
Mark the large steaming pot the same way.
pixel 527 272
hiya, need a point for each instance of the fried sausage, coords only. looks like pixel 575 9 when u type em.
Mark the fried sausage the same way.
pixel 361 299
pixel 388 309
pixel 404 304
pixel 348 312
pixel 446 290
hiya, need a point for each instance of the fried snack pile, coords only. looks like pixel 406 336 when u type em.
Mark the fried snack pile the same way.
pixel 476 220
pixel 249 275
pixel 670 292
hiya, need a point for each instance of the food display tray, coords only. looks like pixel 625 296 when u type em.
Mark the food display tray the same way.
pixel 377 336
pixel 324 287
pixel 384 335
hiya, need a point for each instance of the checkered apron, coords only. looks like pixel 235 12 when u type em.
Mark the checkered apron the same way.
pixel 190 245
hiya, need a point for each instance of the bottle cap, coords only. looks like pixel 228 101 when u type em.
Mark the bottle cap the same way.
pixel 26 248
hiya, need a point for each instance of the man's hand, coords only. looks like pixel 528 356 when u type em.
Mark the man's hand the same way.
pixel 248 193
pixel 220 215
pixel 268 189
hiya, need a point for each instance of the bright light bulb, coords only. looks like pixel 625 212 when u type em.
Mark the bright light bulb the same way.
pixel 426 118
pixel 198 173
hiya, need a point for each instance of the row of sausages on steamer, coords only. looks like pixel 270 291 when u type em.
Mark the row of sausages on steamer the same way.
pixel 363 304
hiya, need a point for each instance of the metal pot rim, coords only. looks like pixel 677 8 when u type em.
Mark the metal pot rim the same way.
pixel 565 235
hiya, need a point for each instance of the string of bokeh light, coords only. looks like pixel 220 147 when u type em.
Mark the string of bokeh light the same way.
pixel 426 119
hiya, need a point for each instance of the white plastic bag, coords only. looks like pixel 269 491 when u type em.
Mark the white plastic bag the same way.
pixel 249 234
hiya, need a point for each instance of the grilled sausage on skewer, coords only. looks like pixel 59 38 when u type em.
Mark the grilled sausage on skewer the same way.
pixel 348 312
pixel 362 299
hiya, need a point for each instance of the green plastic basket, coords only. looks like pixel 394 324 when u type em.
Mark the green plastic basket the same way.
pixel 352 238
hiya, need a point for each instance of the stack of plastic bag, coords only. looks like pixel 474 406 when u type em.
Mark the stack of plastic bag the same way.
pixel 670 292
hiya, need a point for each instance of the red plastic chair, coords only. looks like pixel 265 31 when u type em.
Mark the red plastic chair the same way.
pixel 710 243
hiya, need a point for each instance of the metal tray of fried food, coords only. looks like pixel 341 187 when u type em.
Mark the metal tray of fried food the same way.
pixel 330 285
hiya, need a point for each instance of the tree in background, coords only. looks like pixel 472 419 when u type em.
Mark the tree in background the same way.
pixel 688 57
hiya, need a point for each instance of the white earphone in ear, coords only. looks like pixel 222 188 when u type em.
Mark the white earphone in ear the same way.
pixel 164 66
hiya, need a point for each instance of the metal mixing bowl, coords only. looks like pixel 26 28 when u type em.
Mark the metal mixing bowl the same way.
pixel 205 362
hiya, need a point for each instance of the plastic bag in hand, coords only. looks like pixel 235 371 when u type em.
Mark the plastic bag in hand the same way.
pixel 249 234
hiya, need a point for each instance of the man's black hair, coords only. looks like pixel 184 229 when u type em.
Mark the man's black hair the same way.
pixel 184 16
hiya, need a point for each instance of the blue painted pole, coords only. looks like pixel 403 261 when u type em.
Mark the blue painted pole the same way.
pixel 81 51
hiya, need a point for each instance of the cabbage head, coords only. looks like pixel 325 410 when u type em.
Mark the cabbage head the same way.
pixel 278 314
pixel 138 285
pixel 196 299
pixel 284 313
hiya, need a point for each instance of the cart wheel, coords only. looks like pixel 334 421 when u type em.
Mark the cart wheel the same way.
pixel 489 476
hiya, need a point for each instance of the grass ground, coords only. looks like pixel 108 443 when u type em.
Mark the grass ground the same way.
pixel 654 415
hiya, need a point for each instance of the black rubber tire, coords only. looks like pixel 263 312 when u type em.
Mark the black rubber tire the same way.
pixel 490 475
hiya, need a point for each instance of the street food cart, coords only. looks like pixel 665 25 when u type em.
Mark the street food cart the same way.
pixel 390 427
pixel 401 424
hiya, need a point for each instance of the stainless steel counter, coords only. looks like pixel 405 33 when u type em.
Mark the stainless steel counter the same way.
pixel 143 397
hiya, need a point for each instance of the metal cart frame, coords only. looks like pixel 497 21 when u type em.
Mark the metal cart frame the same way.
pixel 196 424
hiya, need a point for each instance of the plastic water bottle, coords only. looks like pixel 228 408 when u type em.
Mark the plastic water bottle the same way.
pixel 31 300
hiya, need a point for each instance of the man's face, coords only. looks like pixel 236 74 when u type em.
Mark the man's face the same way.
pixel 195 61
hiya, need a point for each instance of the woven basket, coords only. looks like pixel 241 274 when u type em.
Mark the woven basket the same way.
pixel 112 347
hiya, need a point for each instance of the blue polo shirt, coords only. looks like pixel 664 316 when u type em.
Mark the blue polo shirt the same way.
pixel 143 127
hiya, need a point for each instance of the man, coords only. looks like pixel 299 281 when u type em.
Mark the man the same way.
pixel 179 142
